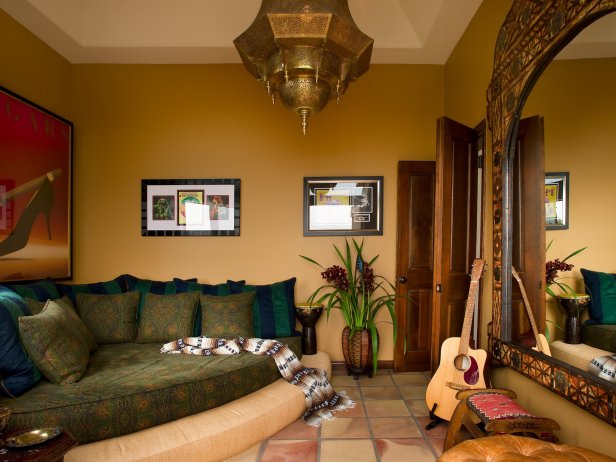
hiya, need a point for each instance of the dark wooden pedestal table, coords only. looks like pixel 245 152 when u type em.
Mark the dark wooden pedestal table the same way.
pixel 308 316
pixel 573 306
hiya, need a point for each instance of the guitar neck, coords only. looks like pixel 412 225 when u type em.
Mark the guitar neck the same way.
pixel 465 336
pixel 531 317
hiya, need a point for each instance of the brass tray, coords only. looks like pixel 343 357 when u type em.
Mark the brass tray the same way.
pixel 33 437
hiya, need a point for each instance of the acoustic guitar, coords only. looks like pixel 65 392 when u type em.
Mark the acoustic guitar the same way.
pixel 541 343
pixel 461 367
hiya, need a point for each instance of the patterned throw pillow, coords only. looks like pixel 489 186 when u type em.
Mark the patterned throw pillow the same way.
pixel 115 286
pixel 220 290
pixel 147 286
pixel 111 318
pixel 227 317
pixel 604 367
pixel 37 307
pixel 167 317
pixel 602 290
pixel 50 341
pixel 17 372
pixel 42 290
pixel 273 312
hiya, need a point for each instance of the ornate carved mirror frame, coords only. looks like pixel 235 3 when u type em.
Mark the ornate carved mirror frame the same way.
pixel 532 34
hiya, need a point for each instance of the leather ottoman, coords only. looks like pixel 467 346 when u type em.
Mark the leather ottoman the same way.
pixel 510 448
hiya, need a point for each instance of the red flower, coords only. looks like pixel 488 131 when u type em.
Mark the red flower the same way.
pixel 552 268
pixel 337 276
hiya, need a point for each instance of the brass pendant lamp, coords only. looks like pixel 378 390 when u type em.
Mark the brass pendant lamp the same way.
pixel 306 52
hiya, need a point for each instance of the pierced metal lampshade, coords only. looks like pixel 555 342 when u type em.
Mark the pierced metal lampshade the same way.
pixel 305 52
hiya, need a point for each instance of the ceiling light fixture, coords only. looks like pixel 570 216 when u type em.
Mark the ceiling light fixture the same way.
pixel 305 52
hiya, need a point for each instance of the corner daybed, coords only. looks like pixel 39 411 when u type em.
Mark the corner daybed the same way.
pixel 129 402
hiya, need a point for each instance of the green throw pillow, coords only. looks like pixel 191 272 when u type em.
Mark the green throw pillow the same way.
pixel 37 307
pixel 167 317
pixel 51 342
pixel 227 317
pixel 41 290
pixel 111 318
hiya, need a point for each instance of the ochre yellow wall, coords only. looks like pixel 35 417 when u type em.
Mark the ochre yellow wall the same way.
pixel 31 69
pixel 577 100
pixel 467 75
pixel 134 122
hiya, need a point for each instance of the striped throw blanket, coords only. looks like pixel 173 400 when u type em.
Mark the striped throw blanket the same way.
pixel 321 399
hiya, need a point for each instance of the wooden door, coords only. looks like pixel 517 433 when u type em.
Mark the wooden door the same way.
pixel 414 265
pixel 528 249
pixel 455 231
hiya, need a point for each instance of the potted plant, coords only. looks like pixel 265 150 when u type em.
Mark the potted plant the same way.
pixel 359 294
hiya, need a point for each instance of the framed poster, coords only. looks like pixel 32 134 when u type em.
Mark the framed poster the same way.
pixel 35 191
pixel 556 200
pixel 344 206
pixel 190 207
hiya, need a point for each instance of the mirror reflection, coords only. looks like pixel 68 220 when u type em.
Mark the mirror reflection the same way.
pixel 569 126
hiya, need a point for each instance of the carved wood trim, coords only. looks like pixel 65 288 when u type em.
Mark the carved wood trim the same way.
pixel 533 33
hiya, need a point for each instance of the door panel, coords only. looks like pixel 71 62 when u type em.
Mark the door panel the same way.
pixel 455 228
pixel 414 265
pixel 528 256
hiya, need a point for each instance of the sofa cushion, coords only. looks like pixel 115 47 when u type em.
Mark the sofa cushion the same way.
pixel 111 318
pixel 37 307
pixel 227 317
pixel 147 286
pixel 601 336
pixel 52 340
pixel 602 290
pixel 130 387
pixel 273 308
pixel 207 289
pixel 167 317
pixel 41 290
pixel 17 372
pixel 115 286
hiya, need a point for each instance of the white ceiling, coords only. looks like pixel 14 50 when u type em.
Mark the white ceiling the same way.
pixel 202 31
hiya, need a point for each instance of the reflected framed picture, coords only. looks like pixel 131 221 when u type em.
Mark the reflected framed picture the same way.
pixel 556 200
pixel 343 206
pixel 190 207
pixel 35 191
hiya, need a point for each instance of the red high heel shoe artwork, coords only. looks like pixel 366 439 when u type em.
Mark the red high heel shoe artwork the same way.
pixel 35 168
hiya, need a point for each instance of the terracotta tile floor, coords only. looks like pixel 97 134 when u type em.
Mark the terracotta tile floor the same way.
pixel 387 425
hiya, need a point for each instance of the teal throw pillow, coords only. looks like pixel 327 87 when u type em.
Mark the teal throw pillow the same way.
pixel 602 290
pixel 273 308
pixel 41 290
pixel 50 339
pixel 167 317
pixel 17 371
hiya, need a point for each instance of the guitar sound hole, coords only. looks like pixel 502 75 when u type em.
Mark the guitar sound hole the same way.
pixel 462 362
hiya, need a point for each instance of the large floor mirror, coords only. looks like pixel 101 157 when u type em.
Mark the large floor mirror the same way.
pixel 529 79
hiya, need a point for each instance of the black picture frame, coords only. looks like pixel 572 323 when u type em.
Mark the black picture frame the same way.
pixel 556 200
pixel 343 206
pixel 208 207
pixel 36 191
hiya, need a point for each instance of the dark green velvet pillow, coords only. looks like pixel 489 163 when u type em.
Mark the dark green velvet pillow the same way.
pixel 110 318
pixel 167 317
pixel 602 290
pixel 273 310
pixel 115 286
pixel 50 340
pixel 228 316
pixel 42 290
pixel 37 307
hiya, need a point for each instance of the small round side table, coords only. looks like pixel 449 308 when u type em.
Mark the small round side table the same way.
pixel 308 315
pixel 573 305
